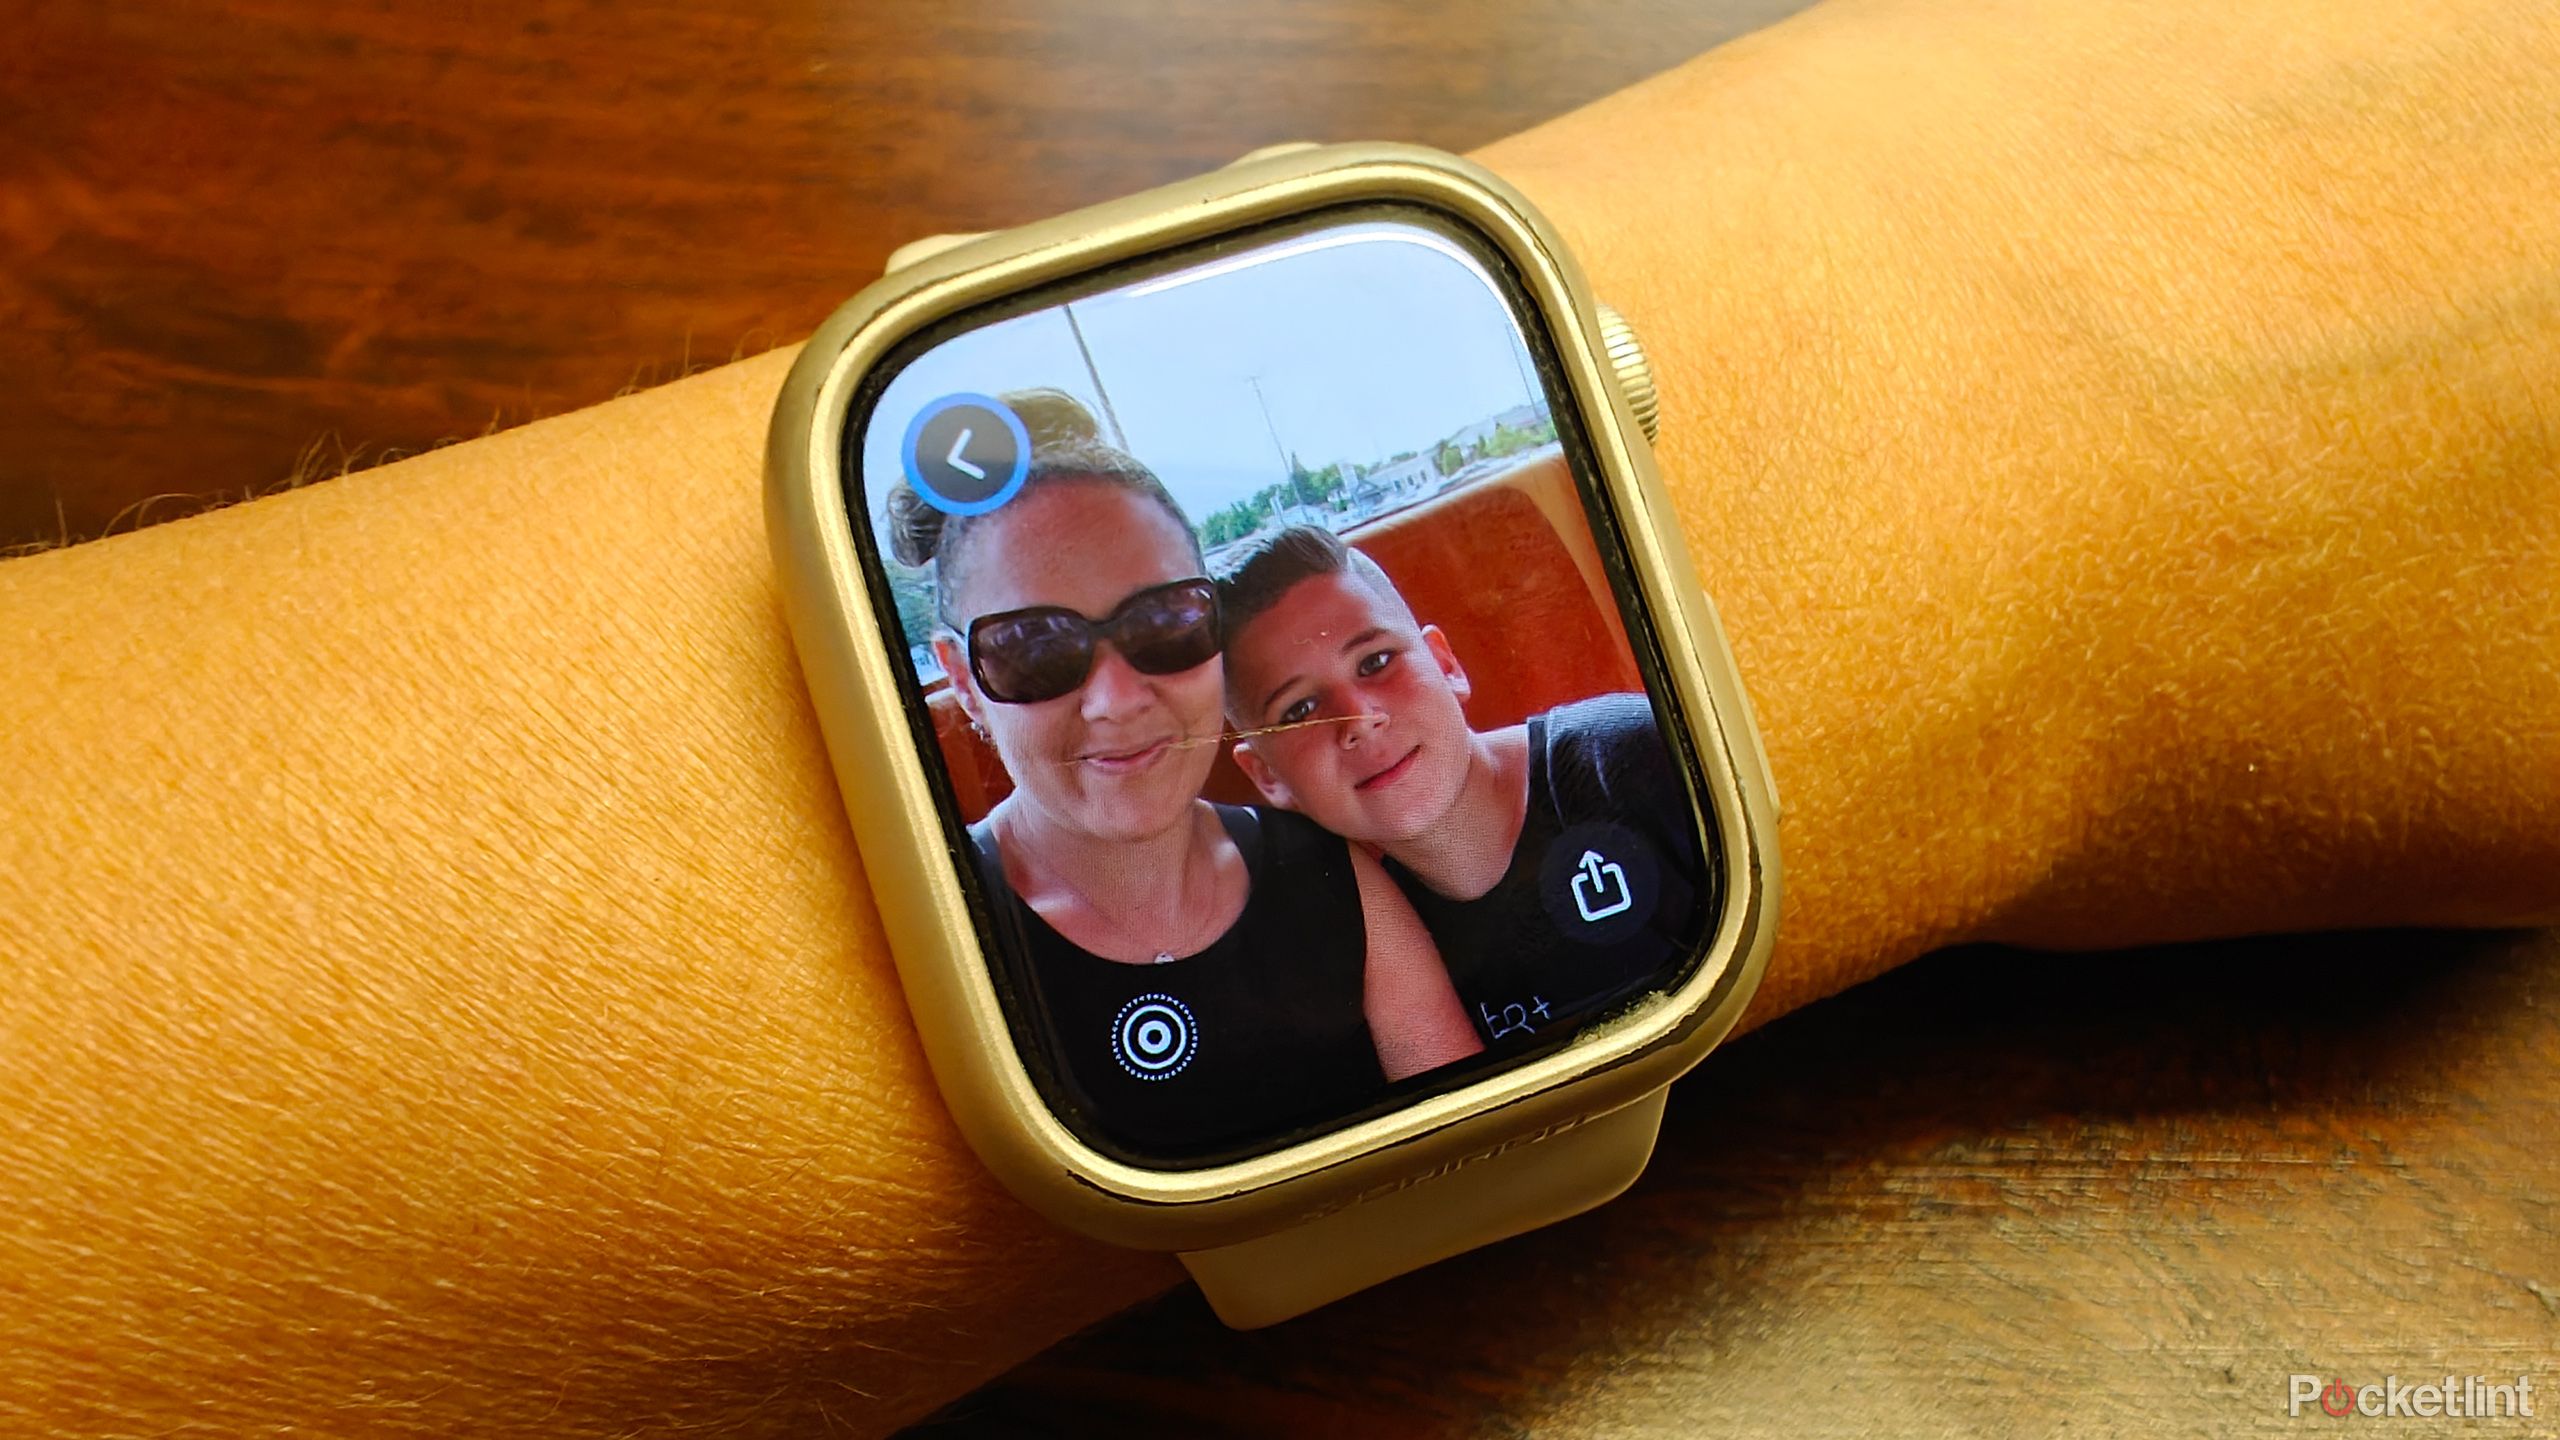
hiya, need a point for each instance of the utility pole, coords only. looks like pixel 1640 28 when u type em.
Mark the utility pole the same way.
pixel 1109 416
pixel 1529 391
pixel 1295 489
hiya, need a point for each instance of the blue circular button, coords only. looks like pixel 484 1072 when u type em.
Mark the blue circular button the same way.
pixel 966 454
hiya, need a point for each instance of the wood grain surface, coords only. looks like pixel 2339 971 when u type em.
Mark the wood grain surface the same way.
pixel 1996 1194
pixel 243 242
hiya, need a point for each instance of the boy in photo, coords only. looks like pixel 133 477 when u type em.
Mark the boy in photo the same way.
pixel 1556 862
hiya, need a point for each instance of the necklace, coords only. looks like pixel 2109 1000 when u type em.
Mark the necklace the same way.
pixel 1192 942
pixel 1189 944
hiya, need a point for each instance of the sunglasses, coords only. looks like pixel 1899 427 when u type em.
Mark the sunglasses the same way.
pixel 1022 657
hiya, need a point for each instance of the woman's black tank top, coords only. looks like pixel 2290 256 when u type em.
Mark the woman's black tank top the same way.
pixel 1254 1037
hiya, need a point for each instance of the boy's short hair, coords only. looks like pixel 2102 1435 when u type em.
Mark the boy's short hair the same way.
pixel 1254 580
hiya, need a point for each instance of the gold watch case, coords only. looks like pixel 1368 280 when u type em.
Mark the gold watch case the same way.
pixel 890 798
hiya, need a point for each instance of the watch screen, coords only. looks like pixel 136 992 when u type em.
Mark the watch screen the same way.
pixel 1298 731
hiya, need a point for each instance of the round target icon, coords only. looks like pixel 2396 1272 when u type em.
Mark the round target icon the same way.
pixel 1153 1037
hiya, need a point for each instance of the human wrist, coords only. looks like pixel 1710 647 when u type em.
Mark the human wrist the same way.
pixel 2050 440
pixel 600 1153
pixel 1767 286
pixel 452 847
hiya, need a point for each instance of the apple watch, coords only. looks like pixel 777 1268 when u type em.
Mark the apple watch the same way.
pixel 1309 799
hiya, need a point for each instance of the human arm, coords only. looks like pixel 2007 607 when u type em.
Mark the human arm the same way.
pixel 2121 446
pixel 443 992
pixel 1414 1013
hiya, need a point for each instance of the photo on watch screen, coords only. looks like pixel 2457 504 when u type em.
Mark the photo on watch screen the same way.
pixel 1282 686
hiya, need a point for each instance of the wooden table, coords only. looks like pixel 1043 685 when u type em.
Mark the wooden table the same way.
pixel 1995 1194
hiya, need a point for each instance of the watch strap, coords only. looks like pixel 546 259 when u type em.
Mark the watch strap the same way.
pixel 1287 1273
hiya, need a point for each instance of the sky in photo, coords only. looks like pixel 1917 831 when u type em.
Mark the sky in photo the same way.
pixel 1363 341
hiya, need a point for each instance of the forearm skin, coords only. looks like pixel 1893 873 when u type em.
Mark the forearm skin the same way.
pixel 443 994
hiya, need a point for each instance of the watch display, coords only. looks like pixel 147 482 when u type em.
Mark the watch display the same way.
pixel 1267 638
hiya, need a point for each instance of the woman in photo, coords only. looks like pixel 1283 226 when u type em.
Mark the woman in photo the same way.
pixel 1211 972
